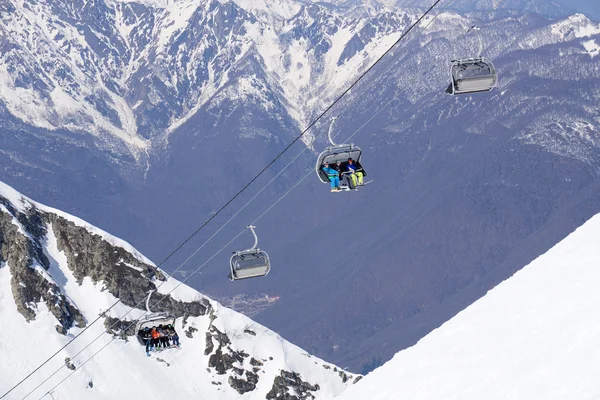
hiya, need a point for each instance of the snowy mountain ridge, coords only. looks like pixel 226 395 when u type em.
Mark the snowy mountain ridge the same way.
pixel 58 273
pixel 535 335
pixel 135 70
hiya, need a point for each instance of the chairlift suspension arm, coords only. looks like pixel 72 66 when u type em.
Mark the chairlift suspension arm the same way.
pixel 255 237
pixel 148 301
pixel 331 130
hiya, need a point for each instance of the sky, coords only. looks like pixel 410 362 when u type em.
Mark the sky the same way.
pixel 591 8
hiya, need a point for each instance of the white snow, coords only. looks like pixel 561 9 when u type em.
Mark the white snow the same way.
pixel 577 25
pixel 121 370
pixel 592 48
pixel 182 293
pixel 534 336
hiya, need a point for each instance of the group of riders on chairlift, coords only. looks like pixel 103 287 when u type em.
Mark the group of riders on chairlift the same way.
pixel 344 177
pixel 159 337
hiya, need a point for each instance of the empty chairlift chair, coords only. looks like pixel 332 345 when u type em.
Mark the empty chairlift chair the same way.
pixel 152 319
pixel 472 75
pixel 335 153
pixel 250 263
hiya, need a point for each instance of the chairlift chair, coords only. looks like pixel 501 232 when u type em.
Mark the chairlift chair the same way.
pixel 152 319
pixel 335 153
pixel 250 263
pixel 472 75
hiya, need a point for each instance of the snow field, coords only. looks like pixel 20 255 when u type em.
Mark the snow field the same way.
pixel 534 336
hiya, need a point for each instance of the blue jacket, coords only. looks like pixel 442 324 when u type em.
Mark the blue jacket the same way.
pixel 353 168
pixel 330 172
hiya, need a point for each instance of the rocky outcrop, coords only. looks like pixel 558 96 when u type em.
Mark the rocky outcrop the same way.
pixel 123 275
pixel 287 382
pixel 22 239
pixel 244 385
pixel 21 248
pixel 225 360
pixel 118 327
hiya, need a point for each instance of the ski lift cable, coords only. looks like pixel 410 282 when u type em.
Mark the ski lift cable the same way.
pixel 241 190
pixel 309 172
pixel 176 270
pixel 313 123
pixel 190 257
pixel 436 15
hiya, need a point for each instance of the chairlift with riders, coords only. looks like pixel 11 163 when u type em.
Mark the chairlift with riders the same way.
pixel 337 153
pixel 152 319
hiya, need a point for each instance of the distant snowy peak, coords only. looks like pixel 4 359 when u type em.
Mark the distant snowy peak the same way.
pixel 58 274
pixel 131 73
pixel 576 26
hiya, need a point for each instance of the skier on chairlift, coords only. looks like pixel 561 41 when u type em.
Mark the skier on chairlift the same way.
pixel 333 176
pixel 356 172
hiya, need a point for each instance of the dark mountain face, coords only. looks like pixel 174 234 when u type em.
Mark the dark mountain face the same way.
pixel 466 190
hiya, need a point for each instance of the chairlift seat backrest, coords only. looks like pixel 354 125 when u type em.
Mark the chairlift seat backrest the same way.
pixel 472 75
pixel 249 264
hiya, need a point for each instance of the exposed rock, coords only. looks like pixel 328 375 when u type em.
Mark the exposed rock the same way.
pixel 88 255
pixel 189 332
pixel 238 371
pixel 221 337
pixel 69 364
pixel 291 380
pixel 123 328
pixel 249 332
pixel 124 276
pixel 358 378
pixel 61 329
pixel 24 255
pixel 343 375
pixel 244 385
pixel 255 362
pixel 223 362
pixel 209 344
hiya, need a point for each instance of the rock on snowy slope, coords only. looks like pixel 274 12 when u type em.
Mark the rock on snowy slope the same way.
pixel 58 274
pixel 534 336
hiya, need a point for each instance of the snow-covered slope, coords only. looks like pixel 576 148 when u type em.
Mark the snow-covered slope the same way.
pixel 58 274
pixel 535 336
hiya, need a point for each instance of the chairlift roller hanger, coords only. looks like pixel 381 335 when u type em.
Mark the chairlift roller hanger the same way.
pixel 336 152
pixel 249 263
pixel 472 75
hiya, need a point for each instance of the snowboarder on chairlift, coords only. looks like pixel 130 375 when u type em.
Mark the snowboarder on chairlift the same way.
pixel 173 335
pixel 333 176
pixel 356 173
pixel 164 339
pixel 147 337
pixel 344 177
